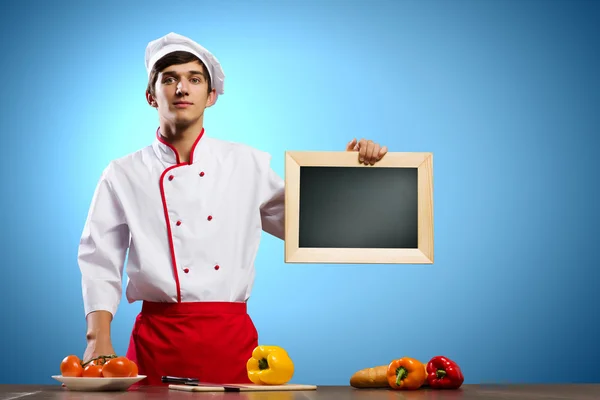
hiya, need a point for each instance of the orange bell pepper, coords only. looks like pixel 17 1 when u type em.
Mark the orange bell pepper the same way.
pixel 406 374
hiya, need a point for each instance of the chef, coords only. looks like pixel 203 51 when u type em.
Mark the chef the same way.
pixel 187 211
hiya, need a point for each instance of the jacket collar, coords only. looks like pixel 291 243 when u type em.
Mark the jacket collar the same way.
pixel 168 154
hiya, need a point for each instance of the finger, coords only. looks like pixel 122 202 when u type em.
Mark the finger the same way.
pixel 382 152
pixel 369 153
pixel 351 145
pixel 375 154
pixel 362 150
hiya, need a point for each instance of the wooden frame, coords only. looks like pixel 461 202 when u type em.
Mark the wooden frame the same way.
pixel 421 255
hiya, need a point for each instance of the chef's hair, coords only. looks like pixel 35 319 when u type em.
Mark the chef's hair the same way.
pixel 175 58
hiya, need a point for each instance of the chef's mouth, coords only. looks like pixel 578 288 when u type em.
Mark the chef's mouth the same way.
pixel 182 105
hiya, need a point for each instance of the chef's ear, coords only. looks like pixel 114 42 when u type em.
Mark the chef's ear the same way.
pixel 212 97
pixel 150 99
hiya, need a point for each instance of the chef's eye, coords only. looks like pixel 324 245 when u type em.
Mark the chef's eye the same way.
pixel 169 80
pixel 196 80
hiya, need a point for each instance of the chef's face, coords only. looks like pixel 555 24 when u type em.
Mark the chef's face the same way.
pixel 181 93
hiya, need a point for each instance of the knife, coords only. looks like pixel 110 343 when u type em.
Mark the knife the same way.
pixel 176 379
pixel 196 382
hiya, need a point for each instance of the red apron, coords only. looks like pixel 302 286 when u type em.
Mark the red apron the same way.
pixel 211 341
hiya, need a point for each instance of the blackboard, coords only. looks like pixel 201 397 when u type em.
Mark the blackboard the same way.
pixel 338 210
pixel 348 207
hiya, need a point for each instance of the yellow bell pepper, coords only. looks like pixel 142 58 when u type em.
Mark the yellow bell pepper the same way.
pixel 270 365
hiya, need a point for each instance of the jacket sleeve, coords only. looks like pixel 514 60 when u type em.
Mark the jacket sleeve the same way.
pixel 102 249
pixel 272 210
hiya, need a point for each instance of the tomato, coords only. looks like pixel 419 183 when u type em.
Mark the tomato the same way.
pixel 71 366
pixel 92 371
pixel 134 369
pixel 119 367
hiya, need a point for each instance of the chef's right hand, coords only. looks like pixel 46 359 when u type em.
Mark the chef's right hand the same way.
pixel 98 335
pixel 98 347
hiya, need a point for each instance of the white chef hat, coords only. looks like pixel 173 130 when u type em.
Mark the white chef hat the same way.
pixel 171 42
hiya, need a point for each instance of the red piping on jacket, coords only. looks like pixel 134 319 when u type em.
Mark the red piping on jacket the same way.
pixel 164 200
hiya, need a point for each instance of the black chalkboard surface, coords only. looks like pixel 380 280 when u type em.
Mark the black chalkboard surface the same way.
pixel 358 207
pixel 338 210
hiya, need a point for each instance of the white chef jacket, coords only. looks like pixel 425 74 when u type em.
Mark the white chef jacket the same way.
pixel 195 225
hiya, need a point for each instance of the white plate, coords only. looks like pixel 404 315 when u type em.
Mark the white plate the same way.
pixel 97 384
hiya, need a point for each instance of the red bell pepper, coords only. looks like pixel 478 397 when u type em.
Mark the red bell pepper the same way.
pixel 443 373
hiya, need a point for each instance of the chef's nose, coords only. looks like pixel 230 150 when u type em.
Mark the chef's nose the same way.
pixel 182 88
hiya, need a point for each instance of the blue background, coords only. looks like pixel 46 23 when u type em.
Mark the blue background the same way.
pixel 504 93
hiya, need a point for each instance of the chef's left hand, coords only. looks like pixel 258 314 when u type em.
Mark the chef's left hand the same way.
pixel 369 152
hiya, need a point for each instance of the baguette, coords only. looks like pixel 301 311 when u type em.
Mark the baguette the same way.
pixel 375 377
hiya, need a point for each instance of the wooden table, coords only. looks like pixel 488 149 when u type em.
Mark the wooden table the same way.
pixel 466 392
